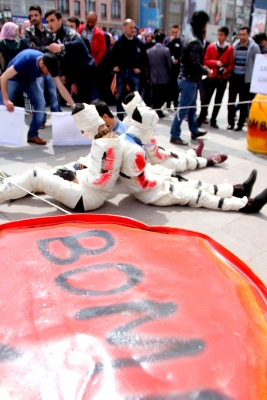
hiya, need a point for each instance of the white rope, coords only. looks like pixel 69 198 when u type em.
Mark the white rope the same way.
pixel 175 108
pixel 38 197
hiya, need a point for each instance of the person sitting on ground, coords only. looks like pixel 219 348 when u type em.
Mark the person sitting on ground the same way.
pixel 82 190
pixel 160 186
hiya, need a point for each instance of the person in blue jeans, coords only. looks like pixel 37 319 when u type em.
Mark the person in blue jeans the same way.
pixel 21 75
pixel 128 60
pixel 191 71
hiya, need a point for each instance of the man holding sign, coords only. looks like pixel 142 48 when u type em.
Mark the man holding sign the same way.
pixel 21 75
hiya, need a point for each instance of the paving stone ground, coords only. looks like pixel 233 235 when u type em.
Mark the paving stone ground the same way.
pixel 244 235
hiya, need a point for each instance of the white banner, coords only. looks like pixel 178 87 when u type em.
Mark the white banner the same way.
pixel 259 75
pixel 12 126
pixel 258 21
pixel 64 131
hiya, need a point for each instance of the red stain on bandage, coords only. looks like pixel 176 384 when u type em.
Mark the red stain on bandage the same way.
pixel 158 154
pixel 144 182
pixel 107 167
pixel 140 161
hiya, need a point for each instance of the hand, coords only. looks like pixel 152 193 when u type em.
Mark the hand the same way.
pixel 9 105
pixel 136 71
pixel 33 44
pixel 54 48
pixel 172 38
pixel 209 74
pixel 175 62
pixel 74 89
pixel 219 64
pixel 63 80
pixel 116 69
pixel 81 166
pixel 224 71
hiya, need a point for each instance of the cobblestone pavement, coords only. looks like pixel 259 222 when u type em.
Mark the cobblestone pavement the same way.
pixel 244 235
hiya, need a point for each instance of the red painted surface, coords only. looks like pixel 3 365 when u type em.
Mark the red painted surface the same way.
pixel 140 161
pixel 108 165
pixel 199 312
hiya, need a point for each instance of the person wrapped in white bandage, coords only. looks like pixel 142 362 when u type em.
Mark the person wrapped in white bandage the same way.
pixel 178 161
pixel 155 184
pixel 86 189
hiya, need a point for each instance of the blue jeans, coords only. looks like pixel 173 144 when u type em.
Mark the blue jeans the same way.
pixel 124 77
pixel 48 82
pixel 188 97
pixel 36 97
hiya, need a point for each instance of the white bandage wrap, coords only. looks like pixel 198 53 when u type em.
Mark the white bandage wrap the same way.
pixel 88 120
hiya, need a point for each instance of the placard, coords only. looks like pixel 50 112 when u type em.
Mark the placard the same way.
pixel 64 131
pixel 259 75
pixel 12 126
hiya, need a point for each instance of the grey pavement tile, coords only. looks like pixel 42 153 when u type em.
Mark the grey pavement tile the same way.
pixel 241 249
pixel 259 266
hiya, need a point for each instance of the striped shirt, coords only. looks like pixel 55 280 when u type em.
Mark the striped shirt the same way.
pixel 240 60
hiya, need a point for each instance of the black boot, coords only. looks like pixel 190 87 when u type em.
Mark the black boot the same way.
pixel 256 204
pixel 245 189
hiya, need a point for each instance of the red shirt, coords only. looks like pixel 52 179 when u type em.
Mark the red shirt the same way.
pixel 212 57
pixel 98 45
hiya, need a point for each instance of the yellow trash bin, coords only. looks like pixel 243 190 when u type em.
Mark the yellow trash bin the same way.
pixel 257 125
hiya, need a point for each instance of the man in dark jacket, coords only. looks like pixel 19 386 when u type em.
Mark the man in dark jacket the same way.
pixel 159 72
pixel 78 68
pixel 128 61
pixel 191 71
pixel 39 37
pixel 174 43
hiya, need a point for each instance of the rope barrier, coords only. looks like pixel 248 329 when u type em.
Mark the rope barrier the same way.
pixel 34 195
pixel 176 108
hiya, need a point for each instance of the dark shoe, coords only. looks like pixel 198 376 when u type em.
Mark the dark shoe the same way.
pixel 245 188
pixel 217 159
pixel 200 133
pixel 238 128
pixel 42 126
pixel 36 140
pixel 199 148
pixel 214 124
pixel 230 127
pixel 256 204
pixel 206 121
pixel 160 114
pixel 178 141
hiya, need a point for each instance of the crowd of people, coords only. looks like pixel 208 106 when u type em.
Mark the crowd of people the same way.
pixel 92 64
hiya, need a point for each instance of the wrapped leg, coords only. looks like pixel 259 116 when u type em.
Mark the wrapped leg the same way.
pixel 39 180
pixel 222 189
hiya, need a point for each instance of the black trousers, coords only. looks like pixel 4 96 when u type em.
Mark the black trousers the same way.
pixel 213 84
pixel 173 92
pixel 238 87
pixel 160 95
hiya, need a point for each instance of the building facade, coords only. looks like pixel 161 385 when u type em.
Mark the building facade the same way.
pixel 111 13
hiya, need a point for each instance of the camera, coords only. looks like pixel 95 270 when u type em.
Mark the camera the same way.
pixel 220 70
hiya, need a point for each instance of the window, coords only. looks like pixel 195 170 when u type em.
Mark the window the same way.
pixel 63 6
pixel 103 10
pixel 77 10
pixel 115 9
pixel 175 7
pixel 89 5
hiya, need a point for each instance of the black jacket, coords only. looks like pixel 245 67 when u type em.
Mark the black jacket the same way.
pixel 128 54
pixel 75 62
pixel 191 62
pixel 38 40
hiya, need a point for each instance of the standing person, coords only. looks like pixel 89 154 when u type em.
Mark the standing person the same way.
pixel 128 61
pixel 39 37
pixel 21 75
pixel 159 72
pixel 191 70
pixel 174 43
pixel 74 23
pixel 220 58
pixel 10 45
pixel 94 36
pixel 78 68
pixel 245 50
